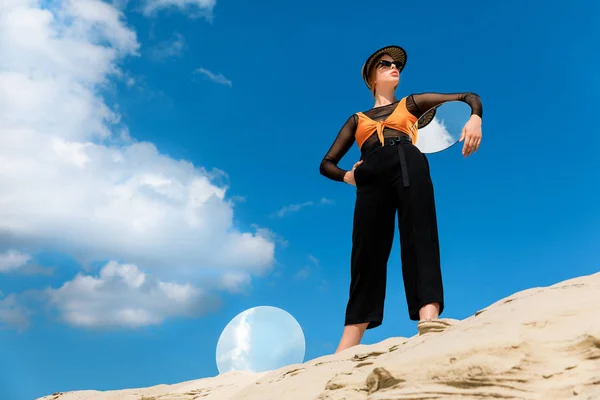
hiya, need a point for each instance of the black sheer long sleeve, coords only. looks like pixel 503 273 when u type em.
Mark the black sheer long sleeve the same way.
pixel 342 144
pixel 417 104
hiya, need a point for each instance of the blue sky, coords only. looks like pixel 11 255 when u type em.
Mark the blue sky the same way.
pixel 160 172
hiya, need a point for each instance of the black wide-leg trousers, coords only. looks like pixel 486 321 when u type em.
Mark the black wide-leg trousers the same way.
pixel 393 179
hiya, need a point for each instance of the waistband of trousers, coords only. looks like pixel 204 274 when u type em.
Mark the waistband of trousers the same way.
pixel 387 141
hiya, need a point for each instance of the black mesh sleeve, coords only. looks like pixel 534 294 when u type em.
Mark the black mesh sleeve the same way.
pixel 342 144
pixel 419 103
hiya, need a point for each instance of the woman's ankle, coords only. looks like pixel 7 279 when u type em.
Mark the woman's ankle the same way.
pixel 352 336
pixel 429 311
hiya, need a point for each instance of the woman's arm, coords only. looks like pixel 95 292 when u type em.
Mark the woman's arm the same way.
pixel 343 142
pixel 421 102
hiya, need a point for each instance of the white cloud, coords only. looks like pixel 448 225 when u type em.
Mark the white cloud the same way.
pixel 12 260
pixel 123 296
pixel 302 273
pixel 192 6
pixel 170 48
pixel 307 270
pixel 217 78
pixel 233 348
pixel 13 314
pixel 69 182
pixel 235 282
pixel 434 137
pixel 270 235
pixel 291 208
pixel 242 340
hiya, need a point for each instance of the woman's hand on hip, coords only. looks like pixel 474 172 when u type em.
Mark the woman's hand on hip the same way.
pixel 349 175
pixel 471 135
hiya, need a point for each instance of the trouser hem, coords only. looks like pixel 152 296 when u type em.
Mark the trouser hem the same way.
pixel 374 321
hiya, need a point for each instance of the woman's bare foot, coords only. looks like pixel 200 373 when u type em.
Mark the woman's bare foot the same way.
pixel 434 325
pixel 429 319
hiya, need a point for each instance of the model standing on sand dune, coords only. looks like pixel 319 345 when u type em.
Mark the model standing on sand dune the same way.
pixel 392 176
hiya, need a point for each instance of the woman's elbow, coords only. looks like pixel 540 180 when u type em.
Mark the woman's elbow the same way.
pixel 322 167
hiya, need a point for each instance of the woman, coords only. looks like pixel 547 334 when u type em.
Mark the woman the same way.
pixel 392 176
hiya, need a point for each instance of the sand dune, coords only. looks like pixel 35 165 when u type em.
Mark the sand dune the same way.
pixel 541 343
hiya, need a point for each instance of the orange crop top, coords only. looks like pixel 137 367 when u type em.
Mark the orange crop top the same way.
pixel 400 116
pixel 400 119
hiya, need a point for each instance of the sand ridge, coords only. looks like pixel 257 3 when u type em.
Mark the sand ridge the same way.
pixel 538 344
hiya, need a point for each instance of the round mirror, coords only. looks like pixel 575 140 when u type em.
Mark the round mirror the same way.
pixel 260 339
pixel 440 127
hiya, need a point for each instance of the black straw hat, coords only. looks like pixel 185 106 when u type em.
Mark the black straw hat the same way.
pixel 396 52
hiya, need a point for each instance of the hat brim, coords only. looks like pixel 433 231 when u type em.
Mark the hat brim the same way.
pixel 423 120
pixel 396 52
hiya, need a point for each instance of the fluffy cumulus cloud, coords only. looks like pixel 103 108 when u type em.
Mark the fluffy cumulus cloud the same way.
pixel 12 260
pixel 122 295
pixel 71 178
pixel 12 313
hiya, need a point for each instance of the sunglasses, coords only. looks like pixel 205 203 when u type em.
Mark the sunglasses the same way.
pixel 387 64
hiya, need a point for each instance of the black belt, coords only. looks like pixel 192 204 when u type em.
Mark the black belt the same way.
pixel 395 141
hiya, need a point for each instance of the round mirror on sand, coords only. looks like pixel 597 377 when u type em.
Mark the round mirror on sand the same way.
pixel 260 339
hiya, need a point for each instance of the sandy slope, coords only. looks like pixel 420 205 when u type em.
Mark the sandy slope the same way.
pixel 542 343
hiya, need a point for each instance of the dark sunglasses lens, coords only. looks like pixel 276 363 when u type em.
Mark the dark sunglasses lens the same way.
pixel 387 64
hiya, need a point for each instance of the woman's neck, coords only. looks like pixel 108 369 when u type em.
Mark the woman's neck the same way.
pixel 384 97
